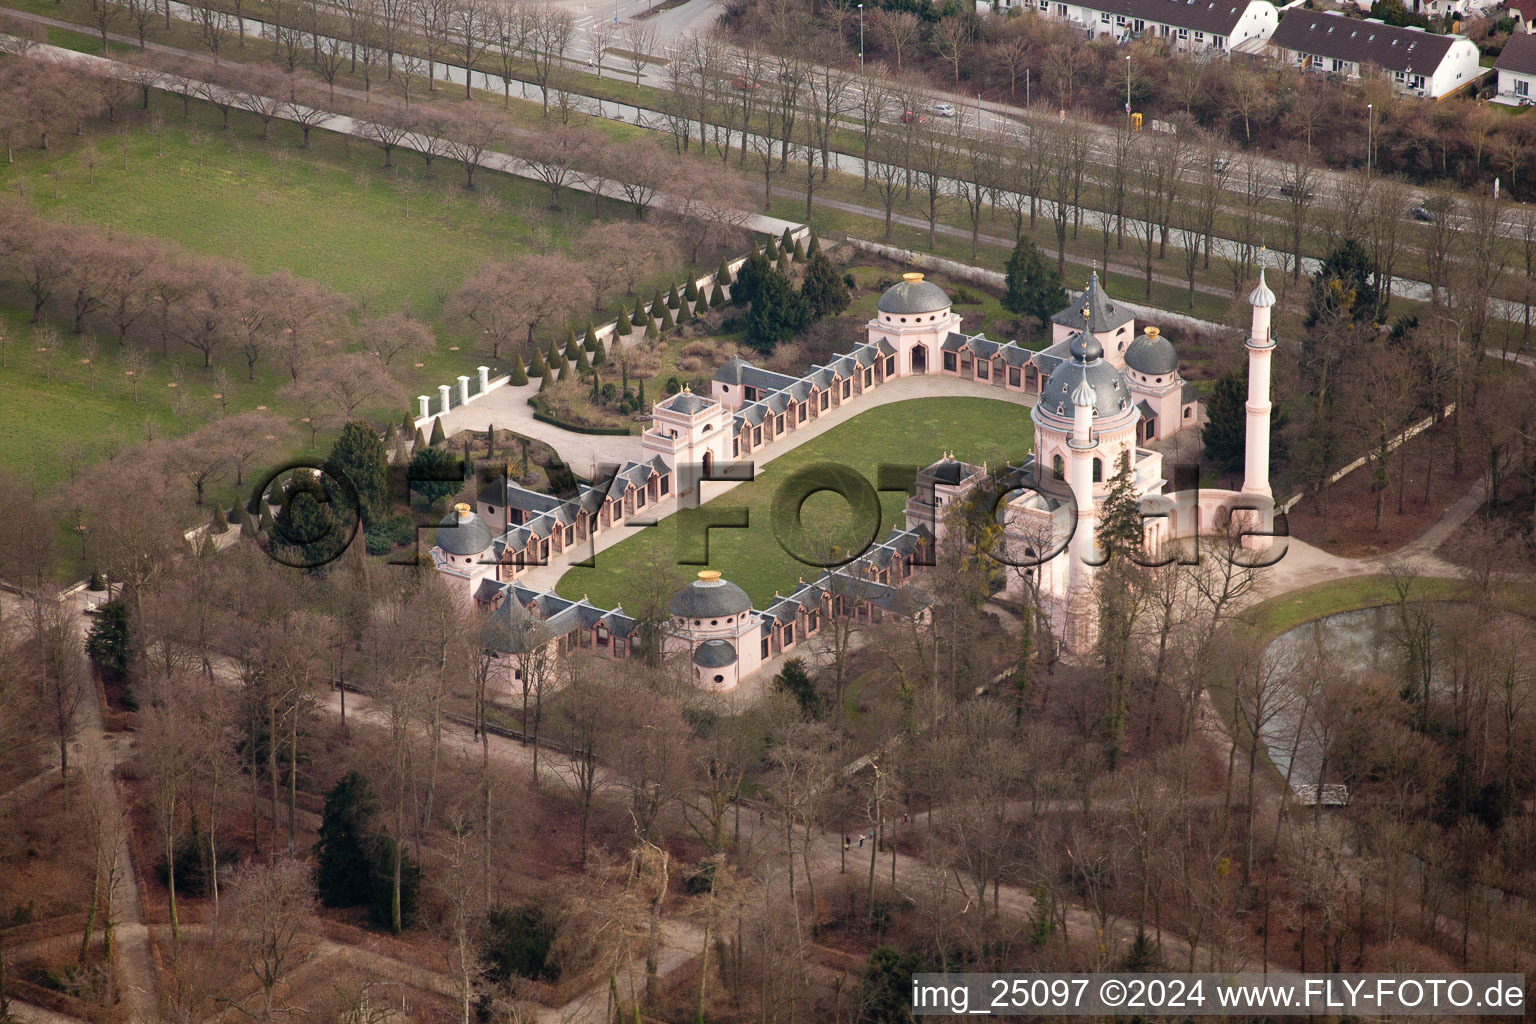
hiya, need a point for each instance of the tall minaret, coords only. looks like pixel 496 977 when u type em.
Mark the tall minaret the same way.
pixel 1082 623
pixel 1260 346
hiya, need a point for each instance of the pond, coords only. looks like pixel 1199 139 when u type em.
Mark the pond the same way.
pixel 1356 644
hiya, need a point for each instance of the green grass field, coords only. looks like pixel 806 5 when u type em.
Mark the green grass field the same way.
pixel 386 238
pixel 903 433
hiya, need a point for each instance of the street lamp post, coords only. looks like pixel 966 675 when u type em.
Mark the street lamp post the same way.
pixel 1370 135
pixel 1127 91
pixel 861 37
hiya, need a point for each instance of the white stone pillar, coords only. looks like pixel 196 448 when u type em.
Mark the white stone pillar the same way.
pixel 485 378
pixel 463 390
pixel 426 406
pixel 1260 347
pixel 1081 619
pixel 442 392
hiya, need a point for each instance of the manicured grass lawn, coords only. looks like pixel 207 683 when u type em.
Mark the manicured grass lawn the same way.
pixel 331 213
pixel 903 433
pixel 388 239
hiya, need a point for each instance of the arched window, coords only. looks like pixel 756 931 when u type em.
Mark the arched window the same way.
pixel 1058 467
pixel 1098 470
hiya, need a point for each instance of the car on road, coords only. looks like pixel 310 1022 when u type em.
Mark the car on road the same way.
pixel 1291 188
pixel 1422 213
pixel 743 83
pixel 942 110
pixel 908 117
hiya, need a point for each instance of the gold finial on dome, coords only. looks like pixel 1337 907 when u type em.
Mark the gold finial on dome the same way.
pixel 912 276
pixel 462 509
pixel 687 389
pixel 1152 332
pixel 709 575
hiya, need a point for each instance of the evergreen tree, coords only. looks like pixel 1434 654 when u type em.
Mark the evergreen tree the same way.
pixel 343 870
pixel 469 461
pixel 109 643
pixel 552 354
pixel 597 392
pixel 264 523
pixel 407 423
pixel 590 341
pixel 658 301
pixel 684 313
pixel 777 314
pixel 537 364
pixel 308 525
pixel 799 255
pixel 885 990
pixel 1224 434
pixel 548 380
pixel 220 523
pixel 640 393
pixel 787 241
pixel 490 441
pixel 361 457
pixel 564 370
pixel 668 321
pixel 419 441
pixel 672 300
pixel 582 363
pixel 784 263
pixel 1033 286
pixel 572 347
pixel 794 680
pixel 599 355
pixel 247 524
pixel 814 247
pixel 1119 519
pixel 691 293
pixel 717 300
pixel 651 333
pixel 1344 287
pixel 770 251
pixel 640 313
pixel 438 437
pixel 750 278
pixel 435 474
pixel 723 275
pixel 823 290
pixel 519 375
pixel 622 325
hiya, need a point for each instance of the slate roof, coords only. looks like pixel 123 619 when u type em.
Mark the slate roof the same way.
pixel 687 402
pixel 913 296
pixel 1218 17
pixel 1154 355
pixel 1103 313
pixel 1363 42
pixel 1519 56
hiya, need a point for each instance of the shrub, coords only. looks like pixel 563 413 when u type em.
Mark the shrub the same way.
pixel 718 299
pixel 519 375
pixel 590 341
pixel 623 325
pixel 673 385
pixel 435 474
pixel 438 437
pixel 99 582
pixel 690 364
pixel 815 245
pixel 537 365
pixel 799 254
pixel 691 293
pixel 771 251
pixel 651 333
pixel 668 321
pixel 128 699
pixel 964 296
pixel 219 523
pixel 518 943
pixel 723 275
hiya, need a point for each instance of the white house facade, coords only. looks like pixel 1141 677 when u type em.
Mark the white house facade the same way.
pixel 1216 26
pixel 1516 67
pixel 1419 63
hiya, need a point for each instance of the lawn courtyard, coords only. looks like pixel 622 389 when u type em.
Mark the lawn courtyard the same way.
pixel 914 432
